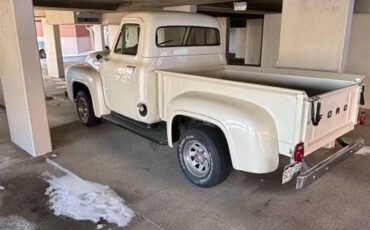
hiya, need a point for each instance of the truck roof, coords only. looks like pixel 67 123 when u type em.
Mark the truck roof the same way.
pixel 162 18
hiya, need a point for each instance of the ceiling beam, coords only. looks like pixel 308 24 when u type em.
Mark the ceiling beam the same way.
pixel 205 8
pixel 93 5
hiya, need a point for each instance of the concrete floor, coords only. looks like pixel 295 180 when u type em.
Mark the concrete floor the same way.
pixel 60 109
pixel 148 177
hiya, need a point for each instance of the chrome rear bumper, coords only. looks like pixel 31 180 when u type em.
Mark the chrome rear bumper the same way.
pixel 310 175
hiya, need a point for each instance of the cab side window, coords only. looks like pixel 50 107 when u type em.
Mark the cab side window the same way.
pixel 128 40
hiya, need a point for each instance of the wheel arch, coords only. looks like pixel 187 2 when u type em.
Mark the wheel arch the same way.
pixel 174 134
pixel 249 130
pixel 83 77
pixel 77 87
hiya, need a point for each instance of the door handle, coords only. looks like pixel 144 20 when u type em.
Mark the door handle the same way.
pixel 126 70
pixel 131 66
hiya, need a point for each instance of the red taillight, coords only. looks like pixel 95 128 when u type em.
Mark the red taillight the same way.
pixel 299 152
pixel 361 119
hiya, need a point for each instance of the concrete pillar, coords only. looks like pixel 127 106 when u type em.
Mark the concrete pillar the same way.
pixel 112 34
pixel 271 40
pixel 315 34
pixel 224 23
pixel 2 102
pixel 21 78
pixel 240 42
pixel 184 8
pixel 232 39
pixel 53 49
pixel 98 37
pixel 253 42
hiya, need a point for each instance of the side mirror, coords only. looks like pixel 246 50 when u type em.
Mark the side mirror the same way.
pixel 99 60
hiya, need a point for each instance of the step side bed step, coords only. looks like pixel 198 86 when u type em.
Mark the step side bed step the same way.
pixel 156 132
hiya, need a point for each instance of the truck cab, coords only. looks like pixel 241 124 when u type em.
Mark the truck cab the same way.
pixel 148 42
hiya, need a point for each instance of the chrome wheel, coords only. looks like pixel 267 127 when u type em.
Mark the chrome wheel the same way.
pixel 197 159
pixel 83 109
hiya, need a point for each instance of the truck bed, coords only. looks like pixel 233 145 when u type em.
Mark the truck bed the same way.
pixel 286 93
pixel 312 82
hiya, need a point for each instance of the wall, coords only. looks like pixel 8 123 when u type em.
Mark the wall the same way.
pixel 184 8
pixel 112 33
pixel 320 33
pixel 112 18
pixel 55 17
pixel 271 40
pixel 2 102
pixel 253 42
pixel 362 6
pixel 232 37
pixel 69 45
pixel 84 44
pixel 75 39
pixel 240 42
pixel 358 60
pixel 223 33
pixel 39 31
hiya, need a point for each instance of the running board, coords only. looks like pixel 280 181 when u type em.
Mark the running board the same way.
pixel 156 133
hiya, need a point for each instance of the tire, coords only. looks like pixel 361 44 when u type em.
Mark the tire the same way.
pixel 85 109
pixel 42 53
pixel 214 147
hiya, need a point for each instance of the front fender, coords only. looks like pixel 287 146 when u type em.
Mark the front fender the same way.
pixel 88 76
pixel 249 129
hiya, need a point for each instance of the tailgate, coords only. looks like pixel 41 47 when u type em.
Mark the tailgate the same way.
pixel 331 115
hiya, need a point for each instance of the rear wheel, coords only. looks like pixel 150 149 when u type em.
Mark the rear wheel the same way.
pixel 85 109
pixel 204 157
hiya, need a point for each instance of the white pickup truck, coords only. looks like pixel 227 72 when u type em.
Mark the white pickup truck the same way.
pixel 167 79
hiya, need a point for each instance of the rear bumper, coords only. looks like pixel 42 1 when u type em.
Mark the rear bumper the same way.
pixel 309 176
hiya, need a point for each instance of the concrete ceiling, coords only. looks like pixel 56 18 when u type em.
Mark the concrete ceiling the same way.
pixel 124 5
pixel 254 7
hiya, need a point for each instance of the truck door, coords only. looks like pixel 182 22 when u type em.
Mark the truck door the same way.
pixel 120 70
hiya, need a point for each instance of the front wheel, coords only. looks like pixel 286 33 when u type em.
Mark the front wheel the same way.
pixel 85 109
pixel 204 157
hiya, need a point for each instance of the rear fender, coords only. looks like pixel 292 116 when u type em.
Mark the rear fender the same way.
pixel 249 129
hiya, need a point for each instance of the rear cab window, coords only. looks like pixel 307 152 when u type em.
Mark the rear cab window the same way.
pixel 177 36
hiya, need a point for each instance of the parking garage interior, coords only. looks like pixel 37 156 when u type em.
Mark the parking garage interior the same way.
pixel 139 183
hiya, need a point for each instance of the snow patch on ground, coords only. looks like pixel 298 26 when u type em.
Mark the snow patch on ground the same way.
pixel 6 162
pixel 73 197
pixel 364 151
pixel 15 223
pixel 100 226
